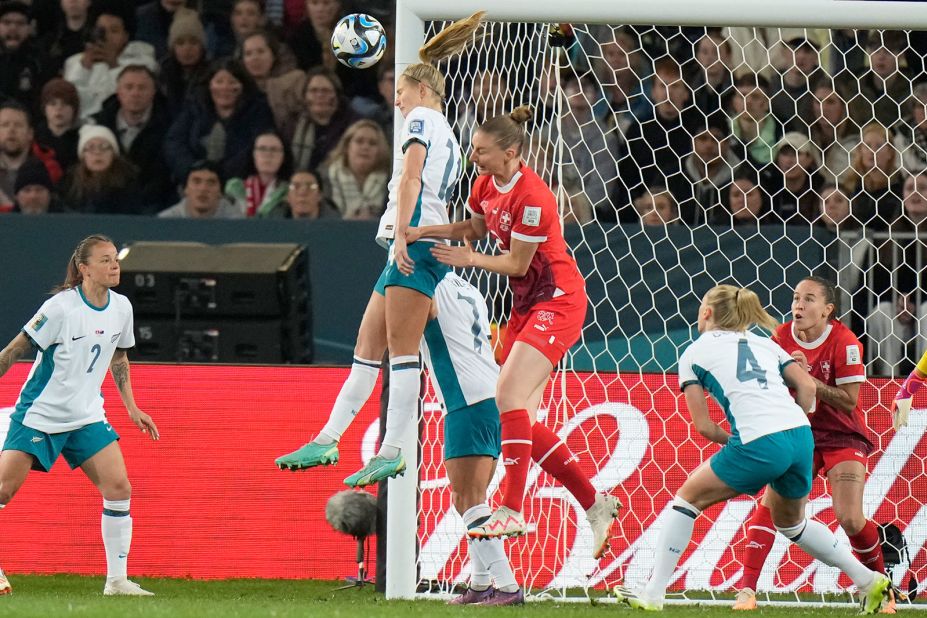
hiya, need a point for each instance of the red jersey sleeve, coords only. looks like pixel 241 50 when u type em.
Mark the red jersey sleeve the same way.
pixel 534 217
pixel 848 359
pixel 475 202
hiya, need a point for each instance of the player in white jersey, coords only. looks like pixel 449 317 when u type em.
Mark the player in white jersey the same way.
pixel 79 333
pixel 423 179
pixel 770 442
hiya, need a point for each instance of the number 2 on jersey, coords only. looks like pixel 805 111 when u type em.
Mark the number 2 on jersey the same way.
pixel 747 366
pixel 95 350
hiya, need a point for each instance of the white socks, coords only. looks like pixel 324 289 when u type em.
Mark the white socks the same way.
pixel 404 387
pixel 354 394
pixel 673 540
pixel 487 556
pixel 116 526
pixel 817 539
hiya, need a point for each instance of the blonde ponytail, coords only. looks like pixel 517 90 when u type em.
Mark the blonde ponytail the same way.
pixel 452 40
pixel 737 309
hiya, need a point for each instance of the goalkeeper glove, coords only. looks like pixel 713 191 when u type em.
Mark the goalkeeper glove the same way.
pixel 901 405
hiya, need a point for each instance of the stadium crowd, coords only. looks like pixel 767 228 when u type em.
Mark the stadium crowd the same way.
pixel 238 108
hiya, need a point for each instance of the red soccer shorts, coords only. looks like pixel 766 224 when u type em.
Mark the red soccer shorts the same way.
pixel 825 459
pixel 550 327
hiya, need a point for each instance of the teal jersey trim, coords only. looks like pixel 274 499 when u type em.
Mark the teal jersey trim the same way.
pixel 91 305
pixel 443 368
pixel 36 384
pixel 711 384
pixel 784 365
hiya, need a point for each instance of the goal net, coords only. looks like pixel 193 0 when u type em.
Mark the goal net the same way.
pixel 683 157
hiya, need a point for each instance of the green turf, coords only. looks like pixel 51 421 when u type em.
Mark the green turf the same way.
pixel 69 595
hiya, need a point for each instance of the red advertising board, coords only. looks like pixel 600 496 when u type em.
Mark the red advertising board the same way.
pixel 208 502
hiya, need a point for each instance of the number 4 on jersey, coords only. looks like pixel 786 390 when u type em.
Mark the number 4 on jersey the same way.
pixel 747 366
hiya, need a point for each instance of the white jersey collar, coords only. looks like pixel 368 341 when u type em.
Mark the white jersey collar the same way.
pixel 509 185
pixel 811 345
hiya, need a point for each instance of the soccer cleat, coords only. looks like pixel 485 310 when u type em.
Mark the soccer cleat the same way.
pixel 500 598
pixel 309 456
pixel 601 515
pixel 5 587
pixel 503 522
pixel 872 599
pixel 635 600
pixel 472 596
pixel 124 588
pixel 745 601
pixel 377 469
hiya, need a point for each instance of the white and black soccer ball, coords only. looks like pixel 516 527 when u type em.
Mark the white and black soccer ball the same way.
pixel 358 41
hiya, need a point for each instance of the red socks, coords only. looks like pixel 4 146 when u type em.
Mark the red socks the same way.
pixel 556 459
pixel 867 547
pixel 516 456
pixel 761 534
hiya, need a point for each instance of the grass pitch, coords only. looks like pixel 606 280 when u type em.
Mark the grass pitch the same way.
pixel 69 595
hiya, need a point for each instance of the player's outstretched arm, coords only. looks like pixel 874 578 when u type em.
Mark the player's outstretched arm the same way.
pixel 473 228
pixel 14 351
pixel 901 405
pixel 798 379
pixel 514 263
pixel 119 367
pixel 698 410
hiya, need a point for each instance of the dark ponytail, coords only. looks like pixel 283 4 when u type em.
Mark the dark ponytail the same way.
pixel 81 254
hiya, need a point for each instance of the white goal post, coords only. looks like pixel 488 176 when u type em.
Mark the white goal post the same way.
pixel 412 17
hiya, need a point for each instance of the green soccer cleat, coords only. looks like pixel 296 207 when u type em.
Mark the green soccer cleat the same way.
pixel 635 600
pixel 309 456
pixel 377 469
pixel 872 599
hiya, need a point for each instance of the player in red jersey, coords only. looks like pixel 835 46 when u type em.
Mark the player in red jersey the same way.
pixel 834 358
pixel 510 201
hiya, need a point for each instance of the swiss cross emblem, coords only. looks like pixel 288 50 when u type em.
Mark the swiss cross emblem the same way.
pixel 825 369
pixel 505 220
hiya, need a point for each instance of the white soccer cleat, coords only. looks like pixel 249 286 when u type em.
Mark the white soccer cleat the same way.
pixel 635 599
pixel 124 588
pixel 503 522
pixel 601 515
pixel 5 587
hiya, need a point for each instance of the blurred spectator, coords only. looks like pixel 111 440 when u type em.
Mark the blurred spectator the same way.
pixel 103 181
pixel 793 181
pixel 24 66
pixel 874 181
pixel 385 110
pixel 357 171
pixel 878 94
pixel 656 207
pixel 260 52
pixel 626 94
pixel 34 191
pixel 754 128
pixel 138 115
pixel 791 90
pixel 202 196
pixel 244 17
pixel 219 123
pixel 893 324
pixel 311 43
pixel 285 15
pixel 657 147
pixel 185 65
pixel 589 150
pixel 745 202
pixel 94 71
pixel 836 214
pixel 706 171
pixel 57 130
pixel 847 54
pixel 324 118
pixel 911 137
pixel 17 147
pixel 489 96
pixel 265 185
pixel 304 200
pixel 713 82
pixel 71 30
pixel 832 131
pixel 154 23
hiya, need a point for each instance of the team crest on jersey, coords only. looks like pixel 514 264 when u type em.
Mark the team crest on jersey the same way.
pixel 417 126
pixel 114 337
pixel 825 370
pixel 38 321
pixel 531 216
pixel 505 221
pixel 853 355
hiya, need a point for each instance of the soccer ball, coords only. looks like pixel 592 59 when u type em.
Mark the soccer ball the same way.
pixel 358 41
